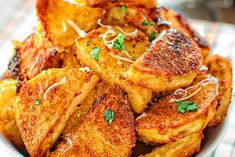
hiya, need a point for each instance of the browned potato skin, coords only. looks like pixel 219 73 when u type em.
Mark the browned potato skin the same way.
pixel 41 125
pixel 133 16
pixel 36 54
pixel 148 4
pixel 165 67
pixel 79 116
pixel 52 13
pixel 108 68
pixel 163 123
pixel 221 68
pixel 181 24
pixel 94 137
pixel 7 113
pixel 185 147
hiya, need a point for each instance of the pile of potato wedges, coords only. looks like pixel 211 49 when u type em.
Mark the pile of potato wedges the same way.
pixel 112 78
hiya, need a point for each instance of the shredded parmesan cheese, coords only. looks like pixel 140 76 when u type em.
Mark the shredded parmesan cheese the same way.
pixel 167 23
pixel 73 2
pixel 209 80
pixel 203 68
pixel 131 34
pixel 122 58
pixel 159 37
pixel 102 25
pixel 64 26
pixel 109 43
pixel 62 81
pixel 127 54
pixel 79 31
pixel 85 69
pixel 141 116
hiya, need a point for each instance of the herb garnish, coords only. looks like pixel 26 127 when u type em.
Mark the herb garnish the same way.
pixel 152 36
pixel 94 53
pixel 37 102
pixel 88 43
pixel 185 106
pixel 146 23
pixel 119 42
pixel 123 9
pixel 108 116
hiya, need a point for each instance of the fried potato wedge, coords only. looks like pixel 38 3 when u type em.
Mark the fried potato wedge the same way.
pixel 185 147
pixel 222 69
pixel 167 17
pixel 163 123
pixel 7 113
pixel 111 64
pixel 132 16
pixel 98 135
pixel 170 63
pixel 78 117
pixel 46 103
pixel 63 22
pixel 36 54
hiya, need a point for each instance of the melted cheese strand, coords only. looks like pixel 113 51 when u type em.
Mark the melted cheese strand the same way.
pixel 102 25
pixel 209 80
pixel 131 34
pixel 64 26
pixel 109 43
pixel 127 54
pixel 62 81
pixel 79 31
pixel 122 58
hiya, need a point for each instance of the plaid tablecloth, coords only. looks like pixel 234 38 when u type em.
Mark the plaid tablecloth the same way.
pixel 17 21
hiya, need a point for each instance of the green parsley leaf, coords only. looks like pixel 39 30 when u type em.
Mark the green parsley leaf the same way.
pixel 31 108
pixel 146 23
pixel 119 42
pixel 88 43
pixel 123 9
pixel 37 102
pixel 152 37
pixel 108 116
pixel 94 53
pixel 185 106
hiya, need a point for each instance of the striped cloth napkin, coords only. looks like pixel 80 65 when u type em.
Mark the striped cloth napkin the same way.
pixel 18 20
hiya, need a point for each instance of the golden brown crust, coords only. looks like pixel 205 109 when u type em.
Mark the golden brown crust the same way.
pixel 41 124
pixel 7 113
pixel 173 57
pixel 97 138
pixel 53 14
pixel 79 116
pixel 36 54
pixel 163 123
pixel 108 67
pixel 179 23
pixel 132 16
pixel 148 4
pixel 185 147
pixel 222 69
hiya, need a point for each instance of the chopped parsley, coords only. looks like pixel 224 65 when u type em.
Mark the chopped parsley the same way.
pixel 123 9
pixel 31 108
pixel 88 43
pixel 37 102
pixel 119 42
pixel 108 116
pixel 95 53
pixel 185 106
pixel 146 23
pixel 152 36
